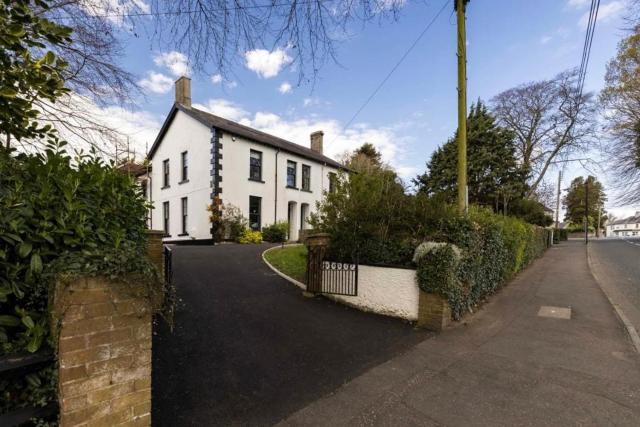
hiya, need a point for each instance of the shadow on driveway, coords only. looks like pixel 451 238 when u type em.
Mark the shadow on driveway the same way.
pixel 249 349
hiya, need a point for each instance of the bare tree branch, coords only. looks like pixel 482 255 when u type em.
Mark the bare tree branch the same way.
pixel 550 118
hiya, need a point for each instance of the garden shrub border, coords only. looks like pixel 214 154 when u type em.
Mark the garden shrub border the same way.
pixel 61 216
pixel 493 249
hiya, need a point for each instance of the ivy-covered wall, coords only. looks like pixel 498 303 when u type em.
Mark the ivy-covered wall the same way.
pixel 482 251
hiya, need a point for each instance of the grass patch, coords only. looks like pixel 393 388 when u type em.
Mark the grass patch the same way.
pixel 290 260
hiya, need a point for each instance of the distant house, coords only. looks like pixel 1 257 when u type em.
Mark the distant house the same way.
pixel 198 156
pixel 625 227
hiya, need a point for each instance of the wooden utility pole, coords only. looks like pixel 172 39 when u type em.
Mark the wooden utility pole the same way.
pixel 558 200
pixel 586 211
pixel 463 199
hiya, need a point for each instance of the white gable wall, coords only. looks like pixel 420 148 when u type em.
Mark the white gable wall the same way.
pixel 184 134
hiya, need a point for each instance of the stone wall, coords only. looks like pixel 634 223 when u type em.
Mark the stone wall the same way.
pixel 104 356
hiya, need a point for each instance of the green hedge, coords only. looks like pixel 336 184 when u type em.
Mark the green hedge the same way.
pixel 492 249
pixel 276 232
pixel 560 234
pixel 60 215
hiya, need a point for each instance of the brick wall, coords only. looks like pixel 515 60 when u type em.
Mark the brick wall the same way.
pixel 434 312
pixel 104 352
pixel 154 248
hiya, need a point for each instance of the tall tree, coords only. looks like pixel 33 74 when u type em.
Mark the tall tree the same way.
pixel 621 102
pixel 494 177
pixel 29 72
pixel 550 119
pixel 575 202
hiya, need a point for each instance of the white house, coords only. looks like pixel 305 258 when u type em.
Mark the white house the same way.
pixel 624 227
pixel 198 156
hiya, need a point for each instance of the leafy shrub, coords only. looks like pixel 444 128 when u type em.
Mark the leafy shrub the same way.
pixel 276 233
pixel 560 234
pixel 227 221
pixel 493 249
pixel 250 236
pixel 531 211
pixel 60 215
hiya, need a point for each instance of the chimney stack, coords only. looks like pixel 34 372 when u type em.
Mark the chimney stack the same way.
pixel 183 91
pixel 316 141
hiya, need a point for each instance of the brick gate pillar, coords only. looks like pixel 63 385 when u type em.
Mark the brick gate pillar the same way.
pixel 104 353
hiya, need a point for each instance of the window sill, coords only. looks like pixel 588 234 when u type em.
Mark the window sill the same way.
pixel 184 181
pixel 292 188
pixel 183 234
pixel 306 191
pixel 256 180
pixel 166 186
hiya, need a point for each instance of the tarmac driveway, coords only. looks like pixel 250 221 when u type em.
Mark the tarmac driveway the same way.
pixel 249 349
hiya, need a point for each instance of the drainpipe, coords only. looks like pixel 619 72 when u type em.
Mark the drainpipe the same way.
pixel 275 208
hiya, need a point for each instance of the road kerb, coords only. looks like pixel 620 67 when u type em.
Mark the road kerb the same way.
pixel 631 330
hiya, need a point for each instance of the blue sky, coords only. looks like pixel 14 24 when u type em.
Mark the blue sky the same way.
pixel 509 42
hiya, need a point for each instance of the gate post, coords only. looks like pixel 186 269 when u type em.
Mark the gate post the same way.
pixel 317 245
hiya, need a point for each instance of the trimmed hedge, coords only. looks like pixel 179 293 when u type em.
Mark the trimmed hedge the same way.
pixel 493 248
pixel 60 216
pixel 276 232
pixel 560 234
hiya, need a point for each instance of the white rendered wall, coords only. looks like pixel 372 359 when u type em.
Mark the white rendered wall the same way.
pixel 184 134
pixel 236 186
pixel 388 291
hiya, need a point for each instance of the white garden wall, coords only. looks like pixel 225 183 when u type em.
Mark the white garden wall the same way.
pixel 382 290
pixel 388 291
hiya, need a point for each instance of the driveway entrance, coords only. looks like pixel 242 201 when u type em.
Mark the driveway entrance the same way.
pixel 249 349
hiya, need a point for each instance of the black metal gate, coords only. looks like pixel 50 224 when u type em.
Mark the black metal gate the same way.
pixel 330 276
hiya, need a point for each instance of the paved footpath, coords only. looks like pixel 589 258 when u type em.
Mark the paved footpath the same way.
pixel 506 365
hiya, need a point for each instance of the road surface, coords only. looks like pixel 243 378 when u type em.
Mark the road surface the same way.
pixel 616 263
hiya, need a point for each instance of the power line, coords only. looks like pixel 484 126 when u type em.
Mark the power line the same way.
pixel 395 67
pixel 588 41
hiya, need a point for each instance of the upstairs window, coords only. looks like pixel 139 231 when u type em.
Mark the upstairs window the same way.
pixel 332 182
pixel 306 177
pixel 165 217
pixel 255 165
pixel 165 173
pixel 255 212
pixel 185 166
pixel 291 174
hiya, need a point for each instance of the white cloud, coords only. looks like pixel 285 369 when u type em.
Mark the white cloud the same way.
pixel 114 10
pixel 156 82
pixel 606 13
pixel 545 39
pixel 176 62
pixel 89 125
pixel 387 139
pixel 266 64
pixel 224 108
pixel 284 88
pixel 232 84
pixel 577 4
pixel 216 79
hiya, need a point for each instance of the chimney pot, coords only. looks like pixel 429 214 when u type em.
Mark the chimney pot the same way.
pixel 183 91
pixel 316 141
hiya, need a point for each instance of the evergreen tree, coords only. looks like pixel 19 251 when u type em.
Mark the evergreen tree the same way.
pixel 493 175
pixel 575 202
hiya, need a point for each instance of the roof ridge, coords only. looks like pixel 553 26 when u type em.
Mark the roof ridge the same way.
pixel 254 130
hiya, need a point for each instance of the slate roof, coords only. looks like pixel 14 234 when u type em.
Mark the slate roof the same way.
pixel 233 128
pixel 634 219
